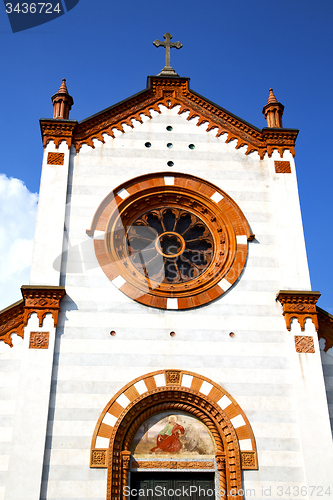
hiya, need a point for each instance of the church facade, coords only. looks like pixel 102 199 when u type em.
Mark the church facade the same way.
pixel 169 337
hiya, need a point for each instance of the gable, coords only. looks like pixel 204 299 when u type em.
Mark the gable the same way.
pixel 169 92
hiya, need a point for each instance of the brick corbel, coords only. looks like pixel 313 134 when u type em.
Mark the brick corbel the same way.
pixel 300 305
pixel 325 321
pixel 57 131
pixel 11 321
pixel 42 300
pixel 36 299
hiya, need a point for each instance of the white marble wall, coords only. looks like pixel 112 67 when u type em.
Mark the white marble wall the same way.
pixel 256 366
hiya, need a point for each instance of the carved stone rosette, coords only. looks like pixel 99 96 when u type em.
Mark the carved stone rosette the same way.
pixel 299 305
pixel 172 377
pixel 42 300
pixel 39 340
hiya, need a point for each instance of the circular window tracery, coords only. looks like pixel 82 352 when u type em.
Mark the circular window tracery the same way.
pixel 171 242
pixel 170 245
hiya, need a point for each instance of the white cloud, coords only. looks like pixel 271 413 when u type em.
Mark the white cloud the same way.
pixel 18 207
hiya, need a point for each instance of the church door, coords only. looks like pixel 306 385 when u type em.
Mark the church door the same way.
pixel 172 486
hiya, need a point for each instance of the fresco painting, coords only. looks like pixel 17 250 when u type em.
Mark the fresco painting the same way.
pixel 173 435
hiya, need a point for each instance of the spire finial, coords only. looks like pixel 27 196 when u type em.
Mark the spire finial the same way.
pixel 271 97
pixel 63 87
pixel 167 70
pixel 273 111
pixel 62 102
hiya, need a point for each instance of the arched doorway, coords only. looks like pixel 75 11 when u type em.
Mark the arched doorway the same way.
pixel 205 402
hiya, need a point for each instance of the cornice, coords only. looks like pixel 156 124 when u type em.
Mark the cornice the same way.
pixel 36 299
pixel 170 92
pixel 325 331
pixel 56 130
pixel 11 321
pixel 300 305
pixel 42 300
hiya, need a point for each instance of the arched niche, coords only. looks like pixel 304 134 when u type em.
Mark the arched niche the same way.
pixel 174 392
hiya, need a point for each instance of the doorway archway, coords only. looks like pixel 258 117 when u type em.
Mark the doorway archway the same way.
pixel 201 398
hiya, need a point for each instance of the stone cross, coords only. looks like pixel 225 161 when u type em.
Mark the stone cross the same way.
pixel 167 70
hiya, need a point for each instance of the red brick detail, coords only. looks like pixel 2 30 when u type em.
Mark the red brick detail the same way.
pixel 304 344
pixel 176 92
pixel 39 340
pixel 282 167
pixel 42 300
pixel 11 321
pixel 55 158
pixel 300 305
pixel 325 331
pixel 224 220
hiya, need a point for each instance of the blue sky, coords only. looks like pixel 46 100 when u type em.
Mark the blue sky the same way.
pixel 232 51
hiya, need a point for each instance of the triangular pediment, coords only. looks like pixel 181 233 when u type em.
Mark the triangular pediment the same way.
pixel 170 92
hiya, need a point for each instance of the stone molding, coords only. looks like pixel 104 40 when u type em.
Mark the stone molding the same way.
pixel 172 464
pixel 158 398
pixel 170 92
pixel 180 399
pixel 36 299
pixel 300 305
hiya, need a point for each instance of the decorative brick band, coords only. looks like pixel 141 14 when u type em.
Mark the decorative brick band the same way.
pixel 299 305
pixel 304 344
pixel 57 131
pixel 154 385
pixel 39 340
pixel 169 92
pixel 224 226
pixel 55 158
pixel 282 167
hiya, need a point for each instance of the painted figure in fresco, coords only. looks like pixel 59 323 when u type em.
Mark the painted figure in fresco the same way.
pixel 168 439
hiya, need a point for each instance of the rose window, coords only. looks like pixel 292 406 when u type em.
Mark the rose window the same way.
pixel 170 241
pixel 170 245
